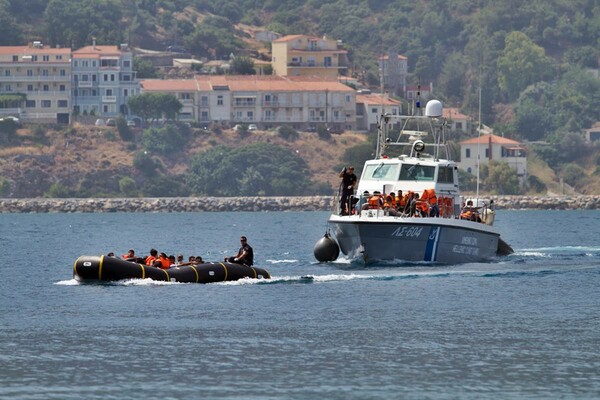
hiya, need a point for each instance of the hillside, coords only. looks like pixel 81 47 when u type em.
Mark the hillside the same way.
pixel 88 156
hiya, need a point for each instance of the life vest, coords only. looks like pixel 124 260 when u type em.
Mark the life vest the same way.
pixel 150 260
pixel 391 201
pixel 401 201
pixel 447 206
pixel 374 202
pixel 165 262
pixel 432 197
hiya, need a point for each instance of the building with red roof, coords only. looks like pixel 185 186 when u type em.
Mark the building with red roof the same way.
pixel 489 147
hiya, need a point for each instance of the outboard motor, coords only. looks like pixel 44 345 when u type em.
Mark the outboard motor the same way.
pixel 326 249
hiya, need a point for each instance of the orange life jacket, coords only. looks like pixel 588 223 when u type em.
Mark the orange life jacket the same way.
pixel 374 202
pixel 432 197
pixel 391 201
pixel 165 262
pixel 150 260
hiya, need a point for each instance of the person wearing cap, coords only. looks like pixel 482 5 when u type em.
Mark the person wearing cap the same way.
pixel 349 180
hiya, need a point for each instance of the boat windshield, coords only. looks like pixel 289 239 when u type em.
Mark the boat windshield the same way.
pixel 416 172
pixel 380 171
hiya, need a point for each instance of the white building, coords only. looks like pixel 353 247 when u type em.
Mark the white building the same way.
pixel 268 101
pixel 40 77
pixel 370 107
pixel 493 147
pixel 103 80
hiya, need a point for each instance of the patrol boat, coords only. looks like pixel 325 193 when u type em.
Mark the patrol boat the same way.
pixel 371 233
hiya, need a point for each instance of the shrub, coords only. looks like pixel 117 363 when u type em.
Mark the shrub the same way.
pixel 128 187
pixel 124 130
pixel 535 184
pixel 288 133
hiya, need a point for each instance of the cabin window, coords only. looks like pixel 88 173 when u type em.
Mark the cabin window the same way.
pixel 416 172
pixel 380 171
pixel 445 175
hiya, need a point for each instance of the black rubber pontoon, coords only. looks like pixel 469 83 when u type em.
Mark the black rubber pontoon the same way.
pixel 104 268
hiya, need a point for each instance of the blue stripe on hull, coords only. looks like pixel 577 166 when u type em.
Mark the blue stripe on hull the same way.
pixel 432 244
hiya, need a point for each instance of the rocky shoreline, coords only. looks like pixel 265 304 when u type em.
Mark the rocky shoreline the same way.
pixel 214 204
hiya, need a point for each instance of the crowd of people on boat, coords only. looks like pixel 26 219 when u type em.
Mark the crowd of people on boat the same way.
pixel 245 256
pixel 410 204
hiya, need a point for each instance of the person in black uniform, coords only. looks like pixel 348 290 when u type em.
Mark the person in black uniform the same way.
pixel 245 254
pixel 348 183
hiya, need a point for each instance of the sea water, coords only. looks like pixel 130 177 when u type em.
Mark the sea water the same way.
pixel 523 326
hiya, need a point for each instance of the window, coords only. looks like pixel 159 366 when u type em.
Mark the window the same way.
pixel 105 77
pixel 374 110
pixel 445 175
pixel 85 78
pixel 469 170
pixel 219 100
pixel 459 126
pixel 46 88
pixel 15 58
pixel 63 103
pixel 126 63
pixel 125 92
pixel 59 57
pixel 93 77
pixel 380 171
pixel 34 58
pixel 46 103
pixel 30 103
pixel 45 72
pixel 204 116
pixel 45 58
pixel 327 61
pixel 29 72
pixel 8 88
pixel 487 153
pixel 62 88
pixel 467 153
pixel 7 72
pixel 416 172
pixel 63 72
pixel 30 88
pixel 112 77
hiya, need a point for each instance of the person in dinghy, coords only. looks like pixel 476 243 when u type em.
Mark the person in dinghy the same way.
pixel 245 254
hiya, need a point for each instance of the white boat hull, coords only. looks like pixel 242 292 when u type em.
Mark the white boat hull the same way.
pixel 432 240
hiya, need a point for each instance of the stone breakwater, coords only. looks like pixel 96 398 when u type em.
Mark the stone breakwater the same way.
pixel 213 204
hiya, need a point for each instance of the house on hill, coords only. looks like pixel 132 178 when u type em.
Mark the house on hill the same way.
pixel 302 55
pixel 371 106
pixel 489 147
pixel 457 121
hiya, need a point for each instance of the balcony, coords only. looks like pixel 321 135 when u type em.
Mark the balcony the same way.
pixel 109 99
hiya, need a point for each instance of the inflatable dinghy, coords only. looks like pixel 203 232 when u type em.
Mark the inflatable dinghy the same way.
pixel 104 268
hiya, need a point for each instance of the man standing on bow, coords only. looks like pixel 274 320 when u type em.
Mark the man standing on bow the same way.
pixel 348 183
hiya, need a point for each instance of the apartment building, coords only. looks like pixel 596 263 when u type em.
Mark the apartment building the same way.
pixel 267 101
pixel 394 69
pixel 39 79
pixel 103 79
pixel 302 55
pixel 371 106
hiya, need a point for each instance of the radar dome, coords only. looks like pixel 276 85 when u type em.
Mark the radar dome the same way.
pixel 433 109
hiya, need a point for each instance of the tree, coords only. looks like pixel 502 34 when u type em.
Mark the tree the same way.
pixel 521 64
pixel 155 105
pixel 145 69
pixel 502 179
pixel 258 169
pixel 242 66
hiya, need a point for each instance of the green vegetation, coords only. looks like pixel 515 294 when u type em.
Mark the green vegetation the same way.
pixel 155 106
pixel 259 169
